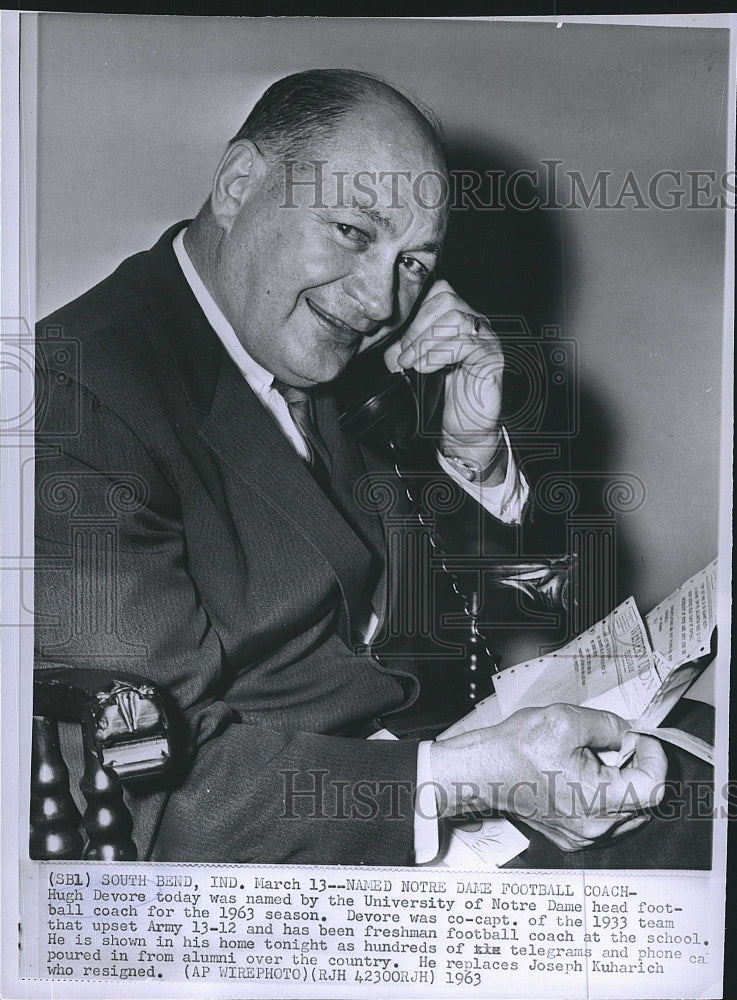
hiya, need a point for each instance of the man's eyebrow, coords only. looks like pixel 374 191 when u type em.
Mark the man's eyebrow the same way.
pixel 434 246
pixel 382 221
pixel 385 223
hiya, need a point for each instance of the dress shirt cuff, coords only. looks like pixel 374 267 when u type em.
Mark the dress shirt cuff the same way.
pixel 506 501
pixel 427 837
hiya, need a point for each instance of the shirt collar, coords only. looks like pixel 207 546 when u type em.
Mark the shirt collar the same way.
pixel 255 374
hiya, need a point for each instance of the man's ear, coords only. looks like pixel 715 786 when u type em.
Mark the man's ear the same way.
pixel 240 172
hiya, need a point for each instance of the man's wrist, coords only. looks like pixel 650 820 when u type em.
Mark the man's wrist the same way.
pixel 464 771
pixel 476 462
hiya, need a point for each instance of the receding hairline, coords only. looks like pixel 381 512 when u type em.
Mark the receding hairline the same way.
pixel 348 90
pixel 401 112
pixel 418 112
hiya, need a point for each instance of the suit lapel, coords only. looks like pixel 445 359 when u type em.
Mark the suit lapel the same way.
pixel 249 442
pixel 354 470
pixel 353 473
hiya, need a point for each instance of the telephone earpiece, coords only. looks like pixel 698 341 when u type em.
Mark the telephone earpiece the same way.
pixel 384 408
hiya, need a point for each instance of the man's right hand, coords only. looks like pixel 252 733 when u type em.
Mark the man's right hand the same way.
pixel 540 765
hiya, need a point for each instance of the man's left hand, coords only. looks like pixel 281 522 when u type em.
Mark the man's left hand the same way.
pixel 447 333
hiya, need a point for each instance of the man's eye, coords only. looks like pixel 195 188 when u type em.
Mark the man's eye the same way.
pixel 414 267
pixel 352 233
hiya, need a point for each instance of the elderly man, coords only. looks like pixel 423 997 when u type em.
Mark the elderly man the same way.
pixel 248 578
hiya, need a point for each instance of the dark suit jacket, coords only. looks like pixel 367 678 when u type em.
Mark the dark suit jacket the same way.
pixel 180 536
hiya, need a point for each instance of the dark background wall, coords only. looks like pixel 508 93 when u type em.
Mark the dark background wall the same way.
pixel 133 114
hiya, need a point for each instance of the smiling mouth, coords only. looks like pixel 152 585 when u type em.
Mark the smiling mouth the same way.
pixel 345 332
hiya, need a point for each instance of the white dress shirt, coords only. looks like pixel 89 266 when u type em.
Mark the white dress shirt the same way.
pixel 505 502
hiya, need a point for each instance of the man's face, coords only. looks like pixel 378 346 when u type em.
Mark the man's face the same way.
pixel 306 271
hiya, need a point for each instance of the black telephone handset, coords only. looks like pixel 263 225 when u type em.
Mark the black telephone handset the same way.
pixel 383 408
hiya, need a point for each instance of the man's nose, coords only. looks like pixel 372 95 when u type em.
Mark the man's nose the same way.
pixel 372 285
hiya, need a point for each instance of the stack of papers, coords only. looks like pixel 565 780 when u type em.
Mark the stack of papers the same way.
pixel 637 669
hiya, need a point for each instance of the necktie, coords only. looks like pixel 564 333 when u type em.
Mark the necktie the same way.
pixel 301 409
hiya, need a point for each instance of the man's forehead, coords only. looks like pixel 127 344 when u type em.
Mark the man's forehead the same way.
pixel 372 155
pixel 384 130
pixel 377 161
pixel 382 139
pixel 397 202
